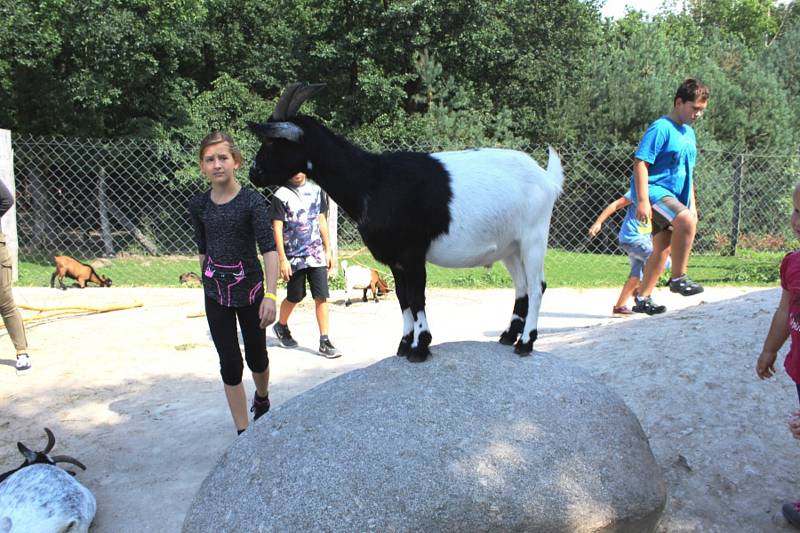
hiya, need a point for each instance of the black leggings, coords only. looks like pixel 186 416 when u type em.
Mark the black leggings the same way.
pixel 222 323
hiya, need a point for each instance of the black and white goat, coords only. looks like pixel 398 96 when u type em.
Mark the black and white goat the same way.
pixel 454 209
pixel 40 496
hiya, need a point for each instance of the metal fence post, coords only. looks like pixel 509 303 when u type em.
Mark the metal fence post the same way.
pixel 738 170
pixel 105 223
pixel 9 225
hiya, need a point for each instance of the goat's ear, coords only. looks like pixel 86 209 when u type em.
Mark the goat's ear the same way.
pixel 276 130
pixel 29 455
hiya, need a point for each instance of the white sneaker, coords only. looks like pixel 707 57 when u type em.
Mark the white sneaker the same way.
pixel 23 364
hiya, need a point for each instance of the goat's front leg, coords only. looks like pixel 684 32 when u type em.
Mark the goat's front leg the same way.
pixel 404 347
pixel 415 288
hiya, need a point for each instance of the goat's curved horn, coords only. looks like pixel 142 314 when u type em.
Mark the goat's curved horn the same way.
pixel 293 97
pixel 67 459
pixel 301 95
pixel 51 440
pixel 282 106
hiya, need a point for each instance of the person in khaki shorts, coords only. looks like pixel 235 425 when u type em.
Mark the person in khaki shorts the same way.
pixel 11 317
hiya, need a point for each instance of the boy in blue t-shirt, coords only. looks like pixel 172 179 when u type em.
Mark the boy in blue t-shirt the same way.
pixel 635 238
pixel 301 238
pixel 663 192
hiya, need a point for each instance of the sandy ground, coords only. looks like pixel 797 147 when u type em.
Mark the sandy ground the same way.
pixel 136 394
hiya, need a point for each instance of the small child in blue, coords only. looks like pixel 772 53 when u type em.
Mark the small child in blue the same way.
pixel 635 238
pixel 301 237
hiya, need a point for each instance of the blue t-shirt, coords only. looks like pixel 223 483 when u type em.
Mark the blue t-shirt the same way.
pixel 671 151
pixel 632 229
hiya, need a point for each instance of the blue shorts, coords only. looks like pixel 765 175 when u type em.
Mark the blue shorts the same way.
pixel 638 252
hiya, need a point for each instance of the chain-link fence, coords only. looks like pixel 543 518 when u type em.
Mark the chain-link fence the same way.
pixel 92 198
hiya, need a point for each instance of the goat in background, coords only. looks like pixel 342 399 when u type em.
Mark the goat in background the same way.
pixel 74 269
pixel 454 209
pixel 359 277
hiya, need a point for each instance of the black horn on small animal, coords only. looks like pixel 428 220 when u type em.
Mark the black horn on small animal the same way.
pixel 68 459
pixel 51 440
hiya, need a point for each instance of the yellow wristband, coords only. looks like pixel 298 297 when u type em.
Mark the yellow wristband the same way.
pixel 271 296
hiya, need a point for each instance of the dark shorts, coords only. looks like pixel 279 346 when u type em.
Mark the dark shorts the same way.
pixel 317 280
pixel 665 211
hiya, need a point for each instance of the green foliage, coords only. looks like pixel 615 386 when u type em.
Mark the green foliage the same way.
pixel 450 73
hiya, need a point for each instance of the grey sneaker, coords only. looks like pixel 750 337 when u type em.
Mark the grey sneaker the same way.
pixel 284 335
pixel 329 350
pixel 23 364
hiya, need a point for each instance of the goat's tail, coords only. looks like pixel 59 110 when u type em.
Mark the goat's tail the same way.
pixel 554 170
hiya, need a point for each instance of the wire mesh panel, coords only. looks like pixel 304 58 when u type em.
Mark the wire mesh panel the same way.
pixel 92 198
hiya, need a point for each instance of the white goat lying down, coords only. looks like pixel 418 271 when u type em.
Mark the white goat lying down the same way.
pixel 359 277
pixel 453 209
pixel 40 497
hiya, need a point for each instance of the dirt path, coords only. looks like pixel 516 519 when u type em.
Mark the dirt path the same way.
pixel 136 394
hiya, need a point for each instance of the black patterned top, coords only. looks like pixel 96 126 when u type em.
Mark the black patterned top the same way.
pixel 227 235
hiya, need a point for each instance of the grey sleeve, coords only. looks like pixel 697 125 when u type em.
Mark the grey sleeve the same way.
pixel 262 225
pixel 6 199
pixel 199 230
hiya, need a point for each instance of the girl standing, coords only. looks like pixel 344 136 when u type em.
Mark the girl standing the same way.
pixel 228 223
pixel 785 324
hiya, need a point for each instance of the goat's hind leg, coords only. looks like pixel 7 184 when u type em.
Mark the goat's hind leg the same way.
pixel 534 269
pixel 514 265
pixel 404 348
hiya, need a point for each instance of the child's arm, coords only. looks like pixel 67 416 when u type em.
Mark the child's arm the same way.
pixel 612 208
pixel 641 178
pixel 323 232
pixel 284 265
pixel 778 333
pixel 267 311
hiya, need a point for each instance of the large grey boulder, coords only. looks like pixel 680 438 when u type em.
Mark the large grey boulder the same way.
pixel 476 439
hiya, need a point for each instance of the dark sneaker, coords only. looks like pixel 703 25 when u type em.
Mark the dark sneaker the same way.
pixel 647 305
pixel 329 350
pixel 259 407
pixel 284 335
pixel 791 512
pixel 685 286
pixel 23 364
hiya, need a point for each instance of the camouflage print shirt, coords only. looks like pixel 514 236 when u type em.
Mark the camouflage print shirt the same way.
pixel 299 209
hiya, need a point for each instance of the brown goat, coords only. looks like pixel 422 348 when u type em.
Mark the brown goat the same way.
pixel 72 268
pixel 190 278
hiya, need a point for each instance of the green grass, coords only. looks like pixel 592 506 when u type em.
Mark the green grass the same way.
pixel 563 269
